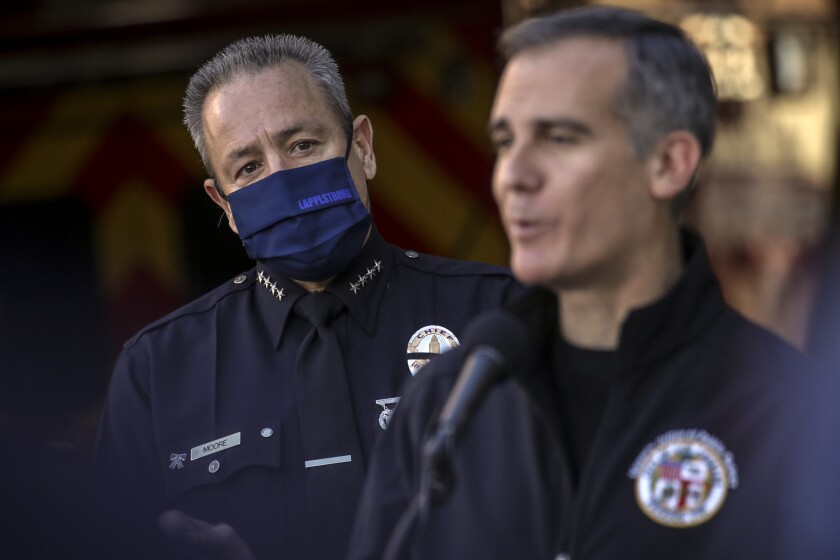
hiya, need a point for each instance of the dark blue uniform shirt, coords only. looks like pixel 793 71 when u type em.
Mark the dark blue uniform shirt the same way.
pixel 220 371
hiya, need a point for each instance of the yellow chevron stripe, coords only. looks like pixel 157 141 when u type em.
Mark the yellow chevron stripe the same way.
pixel 428 200
pixel 56 152
pixel 425 70
pixel 159 104
pixel 138 229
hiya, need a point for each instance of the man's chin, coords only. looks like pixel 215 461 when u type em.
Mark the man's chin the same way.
pixel 529 271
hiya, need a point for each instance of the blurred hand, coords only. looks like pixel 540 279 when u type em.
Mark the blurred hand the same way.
pixel 217 542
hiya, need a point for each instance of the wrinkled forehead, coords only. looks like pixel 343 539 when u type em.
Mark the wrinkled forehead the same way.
pixel 288 81
pixel 288 84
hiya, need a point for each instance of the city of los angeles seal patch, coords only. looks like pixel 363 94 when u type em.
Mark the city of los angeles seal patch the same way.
pixel 683 478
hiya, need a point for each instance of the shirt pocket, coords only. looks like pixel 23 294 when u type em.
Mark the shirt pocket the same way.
pixel 216 457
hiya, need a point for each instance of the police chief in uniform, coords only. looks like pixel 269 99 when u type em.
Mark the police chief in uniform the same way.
pixel 642 417
pixel 254 408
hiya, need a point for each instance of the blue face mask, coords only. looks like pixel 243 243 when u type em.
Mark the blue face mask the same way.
pixel 306 223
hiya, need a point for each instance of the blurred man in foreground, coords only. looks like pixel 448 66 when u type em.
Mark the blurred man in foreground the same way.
pixel 645 418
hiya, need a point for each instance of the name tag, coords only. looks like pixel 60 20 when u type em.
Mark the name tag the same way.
pixel 214 446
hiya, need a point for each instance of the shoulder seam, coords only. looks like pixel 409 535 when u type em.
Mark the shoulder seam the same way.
pixel 473 268
pixel 185 310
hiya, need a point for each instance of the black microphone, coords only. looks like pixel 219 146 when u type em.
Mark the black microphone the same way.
pixel 498 346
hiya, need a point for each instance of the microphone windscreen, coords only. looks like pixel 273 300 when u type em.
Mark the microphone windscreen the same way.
pixel 506 334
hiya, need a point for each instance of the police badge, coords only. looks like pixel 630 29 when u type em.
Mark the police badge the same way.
pixel 426 343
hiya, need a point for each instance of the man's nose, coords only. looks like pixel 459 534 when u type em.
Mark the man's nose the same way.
pixel 517 170
pixel 275 162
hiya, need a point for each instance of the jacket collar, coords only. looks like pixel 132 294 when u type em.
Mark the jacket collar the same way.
pixel 682 314
pixel 361 287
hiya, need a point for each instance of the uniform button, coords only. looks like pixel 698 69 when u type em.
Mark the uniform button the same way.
pixel 412 254
pixel 214 466
pixel 239 279
pixel 267 432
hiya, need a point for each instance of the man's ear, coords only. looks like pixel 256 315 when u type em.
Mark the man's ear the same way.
pixel 363 145
pixel 215 196
pixel 672 163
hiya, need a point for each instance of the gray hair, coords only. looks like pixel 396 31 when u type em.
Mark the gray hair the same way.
pixel 251 56
pixel 669 85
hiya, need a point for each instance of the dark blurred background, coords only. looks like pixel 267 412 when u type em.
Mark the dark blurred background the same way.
pixel 105 226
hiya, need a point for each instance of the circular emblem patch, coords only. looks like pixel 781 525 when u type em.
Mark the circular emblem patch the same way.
pixel 427 342
pixel 683 478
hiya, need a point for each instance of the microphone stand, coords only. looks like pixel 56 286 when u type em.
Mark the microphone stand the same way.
pixel 483 367
pixel 436 481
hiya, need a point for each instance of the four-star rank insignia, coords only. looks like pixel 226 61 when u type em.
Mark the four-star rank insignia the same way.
pixel 367 277
pixel 683 478
pixel 426 343
pixel 265 281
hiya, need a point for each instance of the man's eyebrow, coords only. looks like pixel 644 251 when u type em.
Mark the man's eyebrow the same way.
pixel 279 138
pixel 543 124
pixel 572 125
pixel 242 152
pixel 310 127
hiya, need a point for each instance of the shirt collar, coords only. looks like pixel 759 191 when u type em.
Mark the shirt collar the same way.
pixel 361 287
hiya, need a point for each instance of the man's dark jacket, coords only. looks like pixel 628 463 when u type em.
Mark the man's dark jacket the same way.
pixel 691 459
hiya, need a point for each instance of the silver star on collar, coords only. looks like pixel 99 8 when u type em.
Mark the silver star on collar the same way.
pixel 265 281
pixel 369 275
